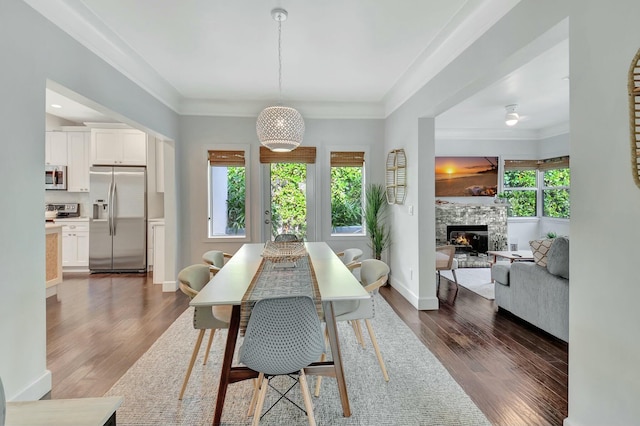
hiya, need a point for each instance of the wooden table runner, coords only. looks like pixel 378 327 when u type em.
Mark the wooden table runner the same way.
pixel 271 281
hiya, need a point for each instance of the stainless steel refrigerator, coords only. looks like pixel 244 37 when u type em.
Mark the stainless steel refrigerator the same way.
pixel 117 227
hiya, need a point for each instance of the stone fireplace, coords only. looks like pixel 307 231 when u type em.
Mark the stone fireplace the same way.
pixel 475 218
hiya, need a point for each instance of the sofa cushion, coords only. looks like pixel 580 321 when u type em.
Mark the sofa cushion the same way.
pixel 540 249
pixel 558 257
pixel 500 272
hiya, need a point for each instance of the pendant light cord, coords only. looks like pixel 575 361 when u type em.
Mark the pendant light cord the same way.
pixel 280 60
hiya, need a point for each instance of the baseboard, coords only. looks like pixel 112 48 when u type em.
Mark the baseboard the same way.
pixel 35 390
pixel 420 303
pixel 568 422
pixel 169 286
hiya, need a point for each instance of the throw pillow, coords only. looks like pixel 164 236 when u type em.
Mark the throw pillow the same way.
pixel 558 257
pixel 540 248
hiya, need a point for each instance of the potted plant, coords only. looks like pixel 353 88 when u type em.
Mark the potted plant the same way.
pixel 375 208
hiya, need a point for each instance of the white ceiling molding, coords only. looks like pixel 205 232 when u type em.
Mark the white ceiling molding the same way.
pixel 551 131
pixel 473 20
pixel 501 134
pixel 81 24
pixel 311 110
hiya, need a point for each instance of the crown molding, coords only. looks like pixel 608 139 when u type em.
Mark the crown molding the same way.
pixel 473 20
pixel 311 110
pixel 501 134
pixel 83 26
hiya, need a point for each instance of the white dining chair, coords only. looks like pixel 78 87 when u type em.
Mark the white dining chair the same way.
pixel 373 275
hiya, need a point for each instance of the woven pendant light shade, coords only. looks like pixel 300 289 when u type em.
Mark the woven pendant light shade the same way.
pixel 280 128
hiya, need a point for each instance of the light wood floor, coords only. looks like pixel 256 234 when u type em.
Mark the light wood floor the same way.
pixel 516 374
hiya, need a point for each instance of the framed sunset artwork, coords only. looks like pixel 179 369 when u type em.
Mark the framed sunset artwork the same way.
pixel 466 176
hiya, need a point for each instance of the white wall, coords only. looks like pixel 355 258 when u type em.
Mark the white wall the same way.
pixel 34 50
pixel 199 134
pixel 604 319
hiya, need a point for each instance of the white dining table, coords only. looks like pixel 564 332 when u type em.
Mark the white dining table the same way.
pixel 229 285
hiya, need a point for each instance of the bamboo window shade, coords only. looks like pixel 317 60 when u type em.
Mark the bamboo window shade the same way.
pixel 347 159
pixel 226 158
pixel 634 116
pixel 302 154
pixel 547 164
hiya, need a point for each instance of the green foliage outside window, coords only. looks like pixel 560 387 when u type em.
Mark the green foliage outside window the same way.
pixel 236 196
pixel 522 201
pixel 346 196
pixel 288 199
pixel 555 194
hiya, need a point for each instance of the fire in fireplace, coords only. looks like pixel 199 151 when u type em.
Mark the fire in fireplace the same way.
pixel 471 239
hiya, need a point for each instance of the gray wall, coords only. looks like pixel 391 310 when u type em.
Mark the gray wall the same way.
pixel 199 134
pixel 33 51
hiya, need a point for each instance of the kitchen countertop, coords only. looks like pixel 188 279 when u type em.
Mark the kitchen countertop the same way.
pixel 51 225
pixel 72 219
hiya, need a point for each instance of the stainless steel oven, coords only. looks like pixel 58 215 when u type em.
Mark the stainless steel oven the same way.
pixel 55 177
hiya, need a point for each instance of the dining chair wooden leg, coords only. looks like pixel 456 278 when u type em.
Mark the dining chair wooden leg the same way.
pixel 306 396
pixel 359 333
pixel 354 325
pixel 206 354
pixel 256 392
pixel 263 392
pixel 323 357
pixel 194 355
pixel 374 342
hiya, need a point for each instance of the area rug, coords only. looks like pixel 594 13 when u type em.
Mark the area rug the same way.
pixel 420 390
pixel 478 280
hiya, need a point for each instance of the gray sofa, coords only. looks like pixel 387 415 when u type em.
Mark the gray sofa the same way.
pixel 537 294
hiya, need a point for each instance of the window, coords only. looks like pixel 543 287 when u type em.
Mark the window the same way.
pixel 520 187
pixel 525 181
pixel 227 194
pixel 555 193
pixel 347 170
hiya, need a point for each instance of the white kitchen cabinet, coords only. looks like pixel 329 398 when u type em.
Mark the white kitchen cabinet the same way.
pixel 79 148
pixel 55 148
pixel 118 147
pixel 75 243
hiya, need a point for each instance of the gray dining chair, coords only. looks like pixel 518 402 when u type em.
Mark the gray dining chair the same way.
pixel 373 275
pixel 283 336
pixel 192 279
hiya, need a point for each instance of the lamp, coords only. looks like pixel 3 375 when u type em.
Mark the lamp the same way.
pixel 512 117
pixel 280 128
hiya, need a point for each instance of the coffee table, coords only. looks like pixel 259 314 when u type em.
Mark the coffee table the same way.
pixel 513 256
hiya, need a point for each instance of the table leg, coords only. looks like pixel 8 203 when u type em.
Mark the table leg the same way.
pixel 330 320
pixel 225 371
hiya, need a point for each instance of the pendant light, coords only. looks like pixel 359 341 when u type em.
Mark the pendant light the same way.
pixel 280 128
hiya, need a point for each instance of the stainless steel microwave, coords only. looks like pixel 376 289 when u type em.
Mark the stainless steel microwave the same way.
pixel 55 177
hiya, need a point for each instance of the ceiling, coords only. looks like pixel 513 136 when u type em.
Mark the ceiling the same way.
pixel 361 57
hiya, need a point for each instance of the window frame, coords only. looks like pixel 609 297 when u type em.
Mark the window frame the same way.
pixel 247 208
pixel 325 203
pixel 363 232
pixel 544 188
pixel 541 167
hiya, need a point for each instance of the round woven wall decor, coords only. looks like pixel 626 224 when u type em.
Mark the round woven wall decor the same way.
pixel 634 116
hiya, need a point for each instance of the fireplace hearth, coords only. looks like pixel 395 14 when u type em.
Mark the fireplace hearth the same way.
pixel 468 239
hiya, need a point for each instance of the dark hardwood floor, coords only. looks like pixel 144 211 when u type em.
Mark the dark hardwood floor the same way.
pixel 100 326
pixel 515 373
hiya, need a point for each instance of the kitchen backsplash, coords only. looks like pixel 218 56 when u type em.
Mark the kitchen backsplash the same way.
pixel 69 197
